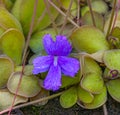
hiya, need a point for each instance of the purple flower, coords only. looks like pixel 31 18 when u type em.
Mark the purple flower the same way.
pixel 56 62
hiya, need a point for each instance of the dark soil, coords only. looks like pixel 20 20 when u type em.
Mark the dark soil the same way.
pixel 53 107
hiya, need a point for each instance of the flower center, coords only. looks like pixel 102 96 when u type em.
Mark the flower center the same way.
pixel 55 60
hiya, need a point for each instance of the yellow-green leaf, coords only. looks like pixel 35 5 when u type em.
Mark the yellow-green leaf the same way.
pixel 68 98
pixel 6 68
pixel 12 44
pixel 114 89
pixel 29 86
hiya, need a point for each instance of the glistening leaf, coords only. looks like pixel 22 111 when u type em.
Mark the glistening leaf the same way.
pixel 6 68
pixel 29 86
pixel 114 89
pixel 89 39
pixel 68 81
pixel 7 20
pixel 68 98
pixel 92 82
pixel 23 10
pixel 5 94
pixel 12 43
pixel 84 96
pixel 99 100
pixel 111 59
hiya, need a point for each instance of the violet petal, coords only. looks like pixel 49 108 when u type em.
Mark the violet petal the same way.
pixel 42 64
pixel 62 46
pixel 69 66
pixel 53 78
pixel 48 44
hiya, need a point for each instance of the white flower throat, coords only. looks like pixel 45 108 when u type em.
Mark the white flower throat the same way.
pixel 55 60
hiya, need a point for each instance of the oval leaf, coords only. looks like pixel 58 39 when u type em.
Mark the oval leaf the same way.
pixel 23 10
pixel 27 69
pixel 68 98
pixel 114 89
pixel 99 21
pixel 84 96
pixel 37 38
pixel 5 94
pixel 7 20
pixel 29 86
pixel 12 43
pixel 89 39
pixel 93 83
pixel 99 100
pixel 91 66
pixel 68 81
pixel 6 68
pixel 111 59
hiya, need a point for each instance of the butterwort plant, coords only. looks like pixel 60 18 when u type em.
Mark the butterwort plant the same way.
pixel 56 62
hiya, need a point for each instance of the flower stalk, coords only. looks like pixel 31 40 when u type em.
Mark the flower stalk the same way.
pixel 111 19
pixel 33 102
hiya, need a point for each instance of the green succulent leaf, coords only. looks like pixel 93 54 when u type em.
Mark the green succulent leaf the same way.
pixel 6 68
pixel 16 8
pixel 12 43
pixel 68 81
pixel 29 86
pixel 99 100
pixel 7 20
pixel 97 5
pixel 68 98
pixel 117 22
pixel 65 5
pixel 99 20
pixel 5 104
pixel 8 4
pixel 23 10
pixel 91 65
pixel 89 39
pixel 37 38
pixel 27 69
pixel 92 82
pixel 84 96
pixel 113 87
pixel 116 32
pixel 111 59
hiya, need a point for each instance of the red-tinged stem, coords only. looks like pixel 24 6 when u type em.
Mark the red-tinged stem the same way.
pixel 34 102
pixel 50 15
pixel 30 31
pixel 111 19
pixel 67 15
pixel 61 12
pixel 11 108
pixel 78 13
pixel 90 7
pixel 116 14
pixel 42 16
pixel 105 109
pixel 24 54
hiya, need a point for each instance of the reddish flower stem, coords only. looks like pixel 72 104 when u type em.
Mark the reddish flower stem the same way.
pixel 61 12
pixel 50 15
pixel 91 11
pixel 24 54
pixel 116 14
pixel 33 102
pixel 67 15
pixel 111 19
